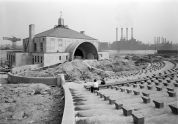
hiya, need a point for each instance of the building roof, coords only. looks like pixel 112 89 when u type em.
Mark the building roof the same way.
pixel 63 32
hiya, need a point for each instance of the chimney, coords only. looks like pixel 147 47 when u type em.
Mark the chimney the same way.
pixel 121 33
pixel 131 33
pixel 126 33
pixel 116 34
pixel 165 40
pixel 31 36
pixel 82 32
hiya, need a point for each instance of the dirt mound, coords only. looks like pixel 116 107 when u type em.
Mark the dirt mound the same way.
pixel 84 70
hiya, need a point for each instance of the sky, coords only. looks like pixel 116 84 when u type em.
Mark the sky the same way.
pixel 98 18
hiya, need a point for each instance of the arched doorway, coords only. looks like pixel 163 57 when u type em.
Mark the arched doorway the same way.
pixel 78 54
pixel 86 50
pixel 82 50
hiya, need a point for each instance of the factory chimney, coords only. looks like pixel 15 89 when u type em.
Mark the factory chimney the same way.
pixel 121 33
pixel 131 33
pixel 31 36
pixel 126 33
pixel 116 34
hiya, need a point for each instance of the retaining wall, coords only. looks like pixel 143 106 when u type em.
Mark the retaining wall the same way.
pixel 20 79
pixel 68 114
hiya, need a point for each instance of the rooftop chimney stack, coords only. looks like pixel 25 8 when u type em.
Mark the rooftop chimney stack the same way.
pixel 60 20
pixel 126 33
pixel 31 36
pixel 116 34
pixel 121 33
pixel 82 32
pixel 131 33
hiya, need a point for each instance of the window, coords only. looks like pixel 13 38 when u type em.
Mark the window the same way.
pixel 35 47
pixel 38 59
pixel 35 58
pixel 59 57
pixel 66 57
pixel 13 58
pixel 41 47
pixel 41 59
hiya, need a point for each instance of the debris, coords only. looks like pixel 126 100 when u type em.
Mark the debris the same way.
pixel 85 70
pixel 19 115
pixel 28 107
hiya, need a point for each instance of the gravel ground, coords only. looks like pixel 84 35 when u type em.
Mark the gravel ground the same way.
pixel 30 104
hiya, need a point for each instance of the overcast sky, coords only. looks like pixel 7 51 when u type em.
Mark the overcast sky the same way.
pixel 98 18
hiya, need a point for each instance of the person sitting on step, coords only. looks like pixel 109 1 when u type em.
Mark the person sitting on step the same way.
pixel 95 85
pixel 103 81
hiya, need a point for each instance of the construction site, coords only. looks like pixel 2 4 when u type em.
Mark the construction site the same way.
pixel 136 91
pixel 64 76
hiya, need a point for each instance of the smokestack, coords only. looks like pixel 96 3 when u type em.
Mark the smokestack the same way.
pixel 162 39
pixel 31 36
pixel 126 33
pixel 116 34
pixel 131 33
pixel 121 33
pixel 165 40
pixel 159 40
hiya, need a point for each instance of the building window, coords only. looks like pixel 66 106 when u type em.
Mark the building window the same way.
pixel 38 59
pixel 59 57
pixel 13 58
pixel 66 57
pixel 41 47
pixel 35 58
pixel 41 59
pixel 35 47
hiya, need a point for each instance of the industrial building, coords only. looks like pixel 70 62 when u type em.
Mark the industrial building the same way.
pixel 56 45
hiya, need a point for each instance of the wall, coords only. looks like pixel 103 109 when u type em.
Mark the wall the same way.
pixel 103 55
pixel 22 59
pixel 60 44
pixel 69 113
pixel 20 79
pixel 53 58
pixel 18 58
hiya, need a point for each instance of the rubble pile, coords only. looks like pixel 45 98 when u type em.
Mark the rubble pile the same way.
pixel 84 70
pixel 30 103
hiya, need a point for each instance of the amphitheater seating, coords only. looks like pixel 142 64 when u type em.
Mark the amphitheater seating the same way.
pixel 127 110
pixel 138 118
pixel 139 101
pixel 158 103
pixel 174 108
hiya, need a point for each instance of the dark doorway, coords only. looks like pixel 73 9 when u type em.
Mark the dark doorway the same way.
pixel 78 54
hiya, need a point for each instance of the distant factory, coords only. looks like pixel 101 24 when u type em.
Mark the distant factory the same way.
pixel 126 42
pixel 126 36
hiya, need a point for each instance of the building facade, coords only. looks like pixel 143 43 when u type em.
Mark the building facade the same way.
pixel 56 45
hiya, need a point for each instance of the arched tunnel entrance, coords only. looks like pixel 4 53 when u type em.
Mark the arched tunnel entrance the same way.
pixel 86 50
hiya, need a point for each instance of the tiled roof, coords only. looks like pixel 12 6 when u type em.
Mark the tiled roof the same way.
pixel 62 32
